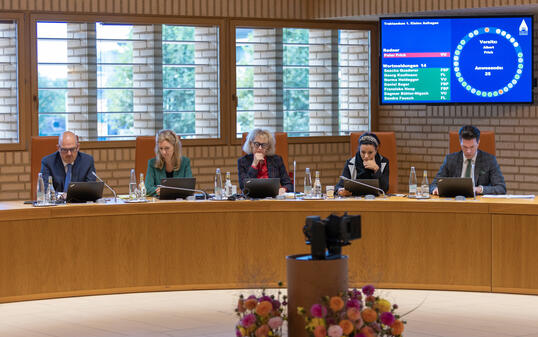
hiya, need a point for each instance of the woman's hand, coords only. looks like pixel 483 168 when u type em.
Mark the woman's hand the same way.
pixel 371 165
pixel 258 157
pixel 343 192
pixel 158 190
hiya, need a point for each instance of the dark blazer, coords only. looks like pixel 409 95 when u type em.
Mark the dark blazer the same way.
pixel 486 171
pixel 52 165
pixel 275 169
pixel 354 169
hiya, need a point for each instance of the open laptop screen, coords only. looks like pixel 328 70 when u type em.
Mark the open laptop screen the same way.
pixel 454 186
pixel 188 184
pixel 360 189
pixel 82 191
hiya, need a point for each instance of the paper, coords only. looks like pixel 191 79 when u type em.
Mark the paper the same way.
pixel 509 196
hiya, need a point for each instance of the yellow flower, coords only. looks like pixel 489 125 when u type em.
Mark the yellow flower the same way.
pixel 243 331
pixel 316 322
pixel 383 305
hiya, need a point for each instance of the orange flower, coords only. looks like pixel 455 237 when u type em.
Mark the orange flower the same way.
pixel 346 326
pixel 353 314
pixel 264 308
pixel 250 304
pixel 320 331
pixel 336 303
pixel 263 330
pixel 370 299
pixel 368 332
pixel 397 328
pixel 369 315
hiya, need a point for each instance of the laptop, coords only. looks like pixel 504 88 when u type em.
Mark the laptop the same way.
pixel 170 194
pixel 261 188
pixel 83 191
pixel 359 189
pixel 453 186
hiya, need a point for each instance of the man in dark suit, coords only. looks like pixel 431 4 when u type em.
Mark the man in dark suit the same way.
pixel 487 173
pixel 67 164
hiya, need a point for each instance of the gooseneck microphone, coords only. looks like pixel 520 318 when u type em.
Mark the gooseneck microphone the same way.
pixel 184 189
pixel 110 188
pixel 363 184
pixel 294 179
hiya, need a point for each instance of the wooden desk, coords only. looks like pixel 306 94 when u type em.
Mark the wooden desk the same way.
pixel 482 245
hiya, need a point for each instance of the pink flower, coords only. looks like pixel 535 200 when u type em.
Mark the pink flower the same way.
pixel 368 290
pixel 275 322
pixel 335 331
pixel 248 320
pixel 354 303
pixel 318 311
pixel 387 318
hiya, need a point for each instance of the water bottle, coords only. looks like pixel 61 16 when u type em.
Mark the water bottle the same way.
pixel 40 191
pixel 425 185
pixel 412 183
pixel 50 195
pixel 317 186
pixel 218 185
pixel 132 185
pixel 307 183
pixel 142 186
pixel 228 185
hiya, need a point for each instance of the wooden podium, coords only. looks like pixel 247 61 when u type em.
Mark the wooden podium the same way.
pixel 308 281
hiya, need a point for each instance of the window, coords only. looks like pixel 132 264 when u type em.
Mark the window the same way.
pixel 9 86
pixel 118 81
pixel 306 82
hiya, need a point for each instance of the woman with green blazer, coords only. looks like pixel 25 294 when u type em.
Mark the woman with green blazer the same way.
pixel 168 162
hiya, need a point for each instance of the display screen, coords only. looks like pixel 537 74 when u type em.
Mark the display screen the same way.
pixel 456 60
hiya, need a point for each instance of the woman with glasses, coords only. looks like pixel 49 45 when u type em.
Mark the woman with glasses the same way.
pixel 168 162
pixel 366 164
pixel 261 160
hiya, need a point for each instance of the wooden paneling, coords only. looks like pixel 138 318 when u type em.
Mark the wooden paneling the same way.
pixel 89 249
pixel 515 267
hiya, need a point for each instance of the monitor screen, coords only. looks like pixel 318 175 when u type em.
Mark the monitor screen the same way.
pixel 456 60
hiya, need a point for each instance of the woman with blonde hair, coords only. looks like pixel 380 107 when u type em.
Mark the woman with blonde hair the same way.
pixel 168 161
pixel 261 161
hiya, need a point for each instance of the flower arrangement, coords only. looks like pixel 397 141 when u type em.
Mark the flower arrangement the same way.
pixel 261 316
pixel 353 314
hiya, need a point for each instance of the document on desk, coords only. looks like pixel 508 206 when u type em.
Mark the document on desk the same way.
pixel 509 196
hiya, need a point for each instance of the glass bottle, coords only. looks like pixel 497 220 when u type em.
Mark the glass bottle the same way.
pixel 228 185
pixel 132 185
pixel 317 186
pixel 142 186
pixel 412 183
pixel 218 185
pixel 51 193
pixel 425 185
pixel 40 191
pixel 307 183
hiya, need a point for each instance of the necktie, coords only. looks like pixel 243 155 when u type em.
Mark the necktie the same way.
pixel 468 169
pixel 68 176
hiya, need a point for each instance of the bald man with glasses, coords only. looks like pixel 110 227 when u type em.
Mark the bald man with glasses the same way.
pixel 67 164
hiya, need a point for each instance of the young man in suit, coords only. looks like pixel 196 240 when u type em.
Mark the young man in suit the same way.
pixel 67 164
pixel 487 173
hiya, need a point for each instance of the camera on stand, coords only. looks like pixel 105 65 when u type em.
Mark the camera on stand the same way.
pixel 327 237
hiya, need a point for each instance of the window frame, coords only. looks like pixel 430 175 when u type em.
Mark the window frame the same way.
pixel 23 42
pixel 309 24
pixel 223 70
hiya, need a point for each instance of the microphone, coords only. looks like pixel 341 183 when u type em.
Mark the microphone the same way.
pixel 110 188
pixel 472 177
pixel 294 179
pixel 184 189
pixel 363 184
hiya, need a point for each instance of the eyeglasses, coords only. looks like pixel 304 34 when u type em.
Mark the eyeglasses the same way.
pixel 263 145
pixel 66 150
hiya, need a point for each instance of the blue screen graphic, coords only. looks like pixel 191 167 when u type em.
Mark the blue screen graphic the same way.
pixel 456 60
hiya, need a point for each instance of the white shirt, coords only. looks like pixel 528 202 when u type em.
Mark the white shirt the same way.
pixel 464 167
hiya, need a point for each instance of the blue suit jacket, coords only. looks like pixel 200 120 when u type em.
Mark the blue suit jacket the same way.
pixel 52 165
pixel 275 169
pixel 486 171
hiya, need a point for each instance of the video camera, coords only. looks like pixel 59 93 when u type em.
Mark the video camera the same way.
pixel 331 234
